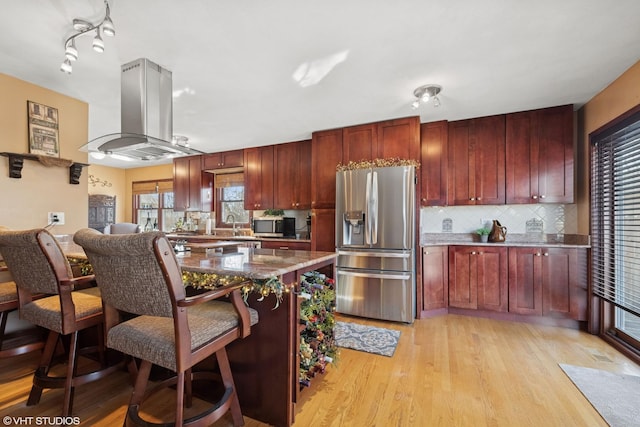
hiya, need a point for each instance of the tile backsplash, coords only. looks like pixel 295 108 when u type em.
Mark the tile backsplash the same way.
pixel 519 219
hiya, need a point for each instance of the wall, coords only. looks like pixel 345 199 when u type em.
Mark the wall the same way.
pixel 109 181
pixel 26 201
pixel 617 98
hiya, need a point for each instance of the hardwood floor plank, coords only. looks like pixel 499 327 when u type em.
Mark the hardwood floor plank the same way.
pixel 450 370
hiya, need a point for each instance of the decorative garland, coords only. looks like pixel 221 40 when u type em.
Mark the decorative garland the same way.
pixel 317 340
pixel 377 163
pixel 264 287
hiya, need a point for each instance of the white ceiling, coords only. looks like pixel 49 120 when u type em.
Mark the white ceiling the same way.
pixel 234 61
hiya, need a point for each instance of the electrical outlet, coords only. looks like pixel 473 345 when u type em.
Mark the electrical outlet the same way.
pixel 56 218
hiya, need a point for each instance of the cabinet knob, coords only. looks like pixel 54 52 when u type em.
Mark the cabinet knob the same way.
pixel 424 199
pixel 542 196
pixel 546 254
pixel 479 198
pixel 537 253
pixel 534 197
pixel 472 198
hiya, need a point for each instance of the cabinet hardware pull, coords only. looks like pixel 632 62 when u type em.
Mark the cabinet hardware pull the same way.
pixel 534 197
pixel 537 253
pixel 542 196
pixel 472 198
pixel 546 254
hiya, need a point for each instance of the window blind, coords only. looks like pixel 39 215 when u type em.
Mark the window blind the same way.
pixel 615 215
pixel 150 187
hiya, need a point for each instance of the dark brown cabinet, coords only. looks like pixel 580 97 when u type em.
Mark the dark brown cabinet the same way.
pixel 399 139
pixel 360 143
pixel 539 153
pixel 292 178
pixel 323 226
pixel 478 277
pixel 434 163
pixel 192 188
pixel 435 277
pixel 545 282
pixel 476 156
pixel 258 178
pixel 223 160
pixel 326 154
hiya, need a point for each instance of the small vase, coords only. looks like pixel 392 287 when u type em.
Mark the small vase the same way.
pixel 484 238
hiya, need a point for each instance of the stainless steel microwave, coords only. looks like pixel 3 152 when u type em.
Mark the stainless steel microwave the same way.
pixel 274 226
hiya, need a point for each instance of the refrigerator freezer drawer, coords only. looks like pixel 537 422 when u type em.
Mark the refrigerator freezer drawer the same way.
pixel 376 260
pixel 376 294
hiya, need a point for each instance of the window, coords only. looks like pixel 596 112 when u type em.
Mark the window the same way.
pixel 615 217
pixel 153 205
pixel 230 200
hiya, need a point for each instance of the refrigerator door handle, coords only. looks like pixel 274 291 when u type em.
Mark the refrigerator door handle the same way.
pixel 367 230
pixel 376 254
pixel 374 208
pixel 375 275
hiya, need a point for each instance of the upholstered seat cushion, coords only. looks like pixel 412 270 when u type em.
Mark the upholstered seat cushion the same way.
pixel 152 338
pixel 45 312
pixel 8 292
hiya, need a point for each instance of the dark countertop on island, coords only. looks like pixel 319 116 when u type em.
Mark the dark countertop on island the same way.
pixel 253 263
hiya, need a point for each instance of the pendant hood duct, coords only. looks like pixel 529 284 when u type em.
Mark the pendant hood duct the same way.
pixel 146 117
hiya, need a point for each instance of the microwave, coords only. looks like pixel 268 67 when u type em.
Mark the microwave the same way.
pixel 274 226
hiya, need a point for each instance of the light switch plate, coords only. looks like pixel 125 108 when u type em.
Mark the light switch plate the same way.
pixel 56 218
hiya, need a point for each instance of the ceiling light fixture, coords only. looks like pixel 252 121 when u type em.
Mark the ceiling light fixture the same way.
pixel 425 93
pixel 83 27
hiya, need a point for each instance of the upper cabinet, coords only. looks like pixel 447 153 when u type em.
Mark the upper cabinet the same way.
pixel 477 161
pixel 292 180
pixel 539 155
pixel 258 178
pixel 326 154
pixel 360 143
pixel 192 188
pixel 223 160
pixel 399 138
pixel 434 163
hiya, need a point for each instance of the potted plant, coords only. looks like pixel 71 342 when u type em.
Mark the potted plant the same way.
pixel 484 234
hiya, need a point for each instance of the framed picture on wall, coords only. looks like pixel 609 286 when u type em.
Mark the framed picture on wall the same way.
pixel 43 129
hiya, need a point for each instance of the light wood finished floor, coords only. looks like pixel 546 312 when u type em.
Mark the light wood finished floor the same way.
pixel 447 371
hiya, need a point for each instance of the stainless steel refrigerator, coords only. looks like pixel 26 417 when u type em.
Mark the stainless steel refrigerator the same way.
pixel 375 238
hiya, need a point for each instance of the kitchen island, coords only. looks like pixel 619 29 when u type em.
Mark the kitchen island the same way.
pixel 265 365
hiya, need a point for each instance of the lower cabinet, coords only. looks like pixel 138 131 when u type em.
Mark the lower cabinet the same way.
pixel 478 277
pixel 301 246
pixel 533 281
pixel 545 282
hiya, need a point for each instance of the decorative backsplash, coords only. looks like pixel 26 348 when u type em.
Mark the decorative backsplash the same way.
pixel 519 219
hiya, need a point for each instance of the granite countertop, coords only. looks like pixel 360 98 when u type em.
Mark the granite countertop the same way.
pixel 210 237
pixel 253 263
pixel 523 240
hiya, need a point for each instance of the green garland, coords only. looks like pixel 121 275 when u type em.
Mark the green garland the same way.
pixel 262 287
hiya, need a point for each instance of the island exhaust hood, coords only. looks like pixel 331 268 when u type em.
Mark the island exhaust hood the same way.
pixel 146 117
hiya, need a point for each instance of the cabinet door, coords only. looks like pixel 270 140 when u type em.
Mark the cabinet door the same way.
pixel 187 183
pixel 292 181
pixel 399 138
pixel 323 230
pixel 360 143
pixel 539 146
pixel 326 154
pixel 525 281
pixel 433 143
pixel 477 161
pixel 435 277
pixel 492 278
pixel 225 159
pixel 559 271
pixel 258 178
pixel 463 288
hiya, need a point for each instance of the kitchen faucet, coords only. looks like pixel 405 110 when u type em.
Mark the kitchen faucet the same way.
pixel 233 218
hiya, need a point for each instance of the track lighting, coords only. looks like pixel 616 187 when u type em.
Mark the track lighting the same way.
pixel 81 27
pixel 425 93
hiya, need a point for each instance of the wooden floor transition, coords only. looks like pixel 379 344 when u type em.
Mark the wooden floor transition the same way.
pixel 447 371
